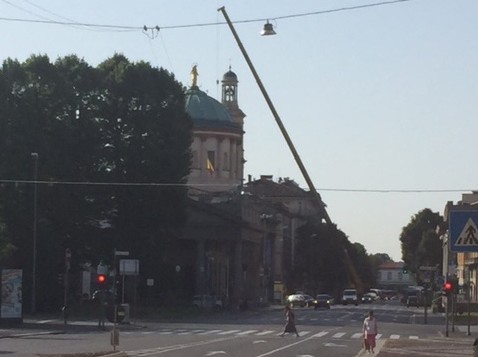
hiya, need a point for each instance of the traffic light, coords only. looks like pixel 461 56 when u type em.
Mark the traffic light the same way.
pixel 405 269
pixel 101 279
pixel 447 287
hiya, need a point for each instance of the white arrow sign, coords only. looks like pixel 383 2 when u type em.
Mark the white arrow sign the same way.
pixel 212 353
pixel 259 341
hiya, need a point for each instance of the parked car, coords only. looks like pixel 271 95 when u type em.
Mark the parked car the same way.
pixel 323 300
pixel 349 296
pixel 206 302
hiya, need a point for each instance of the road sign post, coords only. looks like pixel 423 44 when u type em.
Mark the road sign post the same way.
pixel 463 229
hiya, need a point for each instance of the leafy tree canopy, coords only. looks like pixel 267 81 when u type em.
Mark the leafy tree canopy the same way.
pixel 329 262
pixel 106 139
pixel 420 243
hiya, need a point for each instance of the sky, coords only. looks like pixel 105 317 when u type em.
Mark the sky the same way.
pixel 379 101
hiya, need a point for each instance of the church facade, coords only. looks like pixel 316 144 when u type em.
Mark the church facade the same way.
pixel 243 232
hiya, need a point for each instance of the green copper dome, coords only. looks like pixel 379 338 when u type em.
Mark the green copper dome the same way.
pixel 202 107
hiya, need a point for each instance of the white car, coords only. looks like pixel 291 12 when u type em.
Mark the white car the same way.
pixel 301 300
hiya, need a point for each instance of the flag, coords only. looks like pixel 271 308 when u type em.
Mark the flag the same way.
pixel 209 166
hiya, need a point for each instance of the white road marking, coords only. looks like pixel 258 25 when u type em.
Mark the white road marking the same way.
pixel 248 332
pixel 320 334
pixel 228 332
pixel 264 333
pixel 209 332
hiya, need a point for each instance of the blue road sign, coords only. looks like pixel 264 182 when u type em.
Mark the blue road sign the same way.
pixel 463 230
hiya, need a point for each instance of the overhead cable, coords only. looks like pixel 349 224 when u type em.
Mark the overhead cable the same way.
pixel 170 27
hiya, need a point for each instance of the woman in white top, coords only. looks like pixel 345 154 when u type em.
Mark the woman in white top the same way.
pixel 370 330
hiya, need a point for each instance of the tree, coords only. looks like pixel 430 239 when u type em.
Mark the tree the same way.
pixel 147 137
pixel 328 262
pixel 420 243
pixel 107 139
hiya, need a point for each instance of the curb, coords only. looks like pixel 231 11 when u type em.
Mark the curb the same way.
pixel 32 333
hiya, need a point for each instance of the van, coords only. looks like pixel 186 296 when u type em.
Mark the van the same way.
pixel 349 296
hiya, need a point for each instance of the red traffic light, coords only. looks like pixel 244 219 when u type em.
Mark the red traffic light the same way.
pixel 101 279
pixel 447 287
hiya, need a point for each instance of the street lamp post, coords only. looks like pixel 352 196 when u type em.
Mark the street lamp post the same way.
pixel 34 267
pixel 295 154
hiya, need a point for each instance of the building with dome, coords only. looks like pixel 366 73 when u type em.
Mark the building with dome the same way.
pixel 240 241
pixel 217 147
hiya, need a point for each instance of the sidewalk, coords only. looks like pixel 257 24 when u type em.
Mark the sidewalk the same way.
pixel 34 327
pixel 458 344
pixel 445 347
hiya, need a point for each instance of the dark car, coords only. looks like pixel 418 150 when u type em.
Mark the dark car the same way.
pixel 322 300
pixel 368 298
pixel 309 300
pixel 206 302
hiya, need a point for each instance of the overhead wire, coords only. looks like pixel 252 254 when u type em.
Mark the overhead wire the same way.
pixel 165 184
pixel 206 24
pixel 69 22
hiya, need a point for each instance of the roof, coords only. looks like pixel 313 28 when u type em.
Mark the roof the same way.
pixel 229 75
pixel 266 187
pixel 391 265
pixel 202 107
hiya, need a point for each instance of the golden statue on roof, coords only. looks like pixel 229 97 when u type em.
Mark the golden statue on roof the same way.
pixel 194 76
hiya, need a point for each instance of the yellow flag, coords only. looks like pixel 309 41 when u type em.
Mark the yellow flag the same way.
pixel 209 166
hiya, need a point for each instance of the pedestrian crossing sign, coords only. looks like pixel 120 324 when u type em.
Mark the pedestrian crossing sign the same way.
pixel 463 230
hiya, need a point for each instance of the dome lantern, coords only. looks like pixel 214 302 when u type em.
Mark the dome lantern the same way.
pixel 229 88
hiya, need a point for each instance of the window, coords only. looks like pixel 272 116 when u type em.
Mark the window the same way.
pixel 211 161
pixel 400 275
pixel 389 275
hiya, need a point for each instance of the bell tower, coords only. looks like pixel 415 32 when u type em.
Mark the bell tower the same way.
pixel 229 89
pixel 229 96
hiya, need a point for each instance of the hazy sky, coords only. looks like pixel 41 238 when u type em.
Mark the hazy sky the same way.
pixel 381 102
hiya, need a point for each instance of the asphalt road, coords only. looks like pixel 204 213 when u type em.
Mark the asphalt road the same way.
pixel 334 332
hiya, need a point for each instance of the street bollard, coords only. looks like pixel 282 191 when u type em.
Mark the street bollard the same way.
pixel 475 348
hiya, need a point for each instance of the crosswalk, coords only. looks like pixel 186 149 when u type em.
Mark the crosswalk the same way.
pixel 334 334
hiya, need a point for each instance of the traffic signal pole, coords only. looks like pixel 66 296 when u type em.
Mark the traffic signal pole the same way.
pixel 446 317
pixel 446 307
